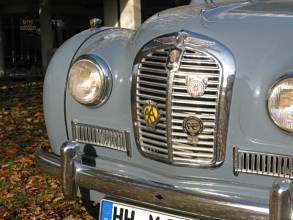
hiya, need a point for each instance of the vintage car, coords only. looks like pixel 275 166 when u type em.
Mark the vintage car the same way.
pixel 189 117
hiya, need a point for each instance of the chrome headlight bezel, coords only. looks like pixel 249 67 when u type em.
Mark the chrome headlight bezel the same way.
pixel 272 92
pixel 104 72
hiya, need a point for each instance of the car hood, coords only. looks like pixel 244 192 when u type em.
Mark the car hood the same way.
pixel 220 17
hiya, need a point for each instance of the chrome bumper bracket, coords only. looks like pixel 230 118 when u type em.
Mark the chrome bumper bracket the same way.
pixel 68 153
pixel 281 202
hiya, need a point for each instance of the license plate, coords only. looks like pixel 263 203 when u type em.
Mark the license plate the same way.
pixel 111 210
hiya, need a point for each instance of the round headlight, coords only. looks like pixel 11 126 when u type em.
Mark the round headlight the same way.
pixel 280 103
pixel 89 80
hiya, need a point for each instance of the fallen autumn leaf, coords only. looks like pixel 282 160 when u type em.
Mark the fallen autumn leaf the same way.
pixel 25 193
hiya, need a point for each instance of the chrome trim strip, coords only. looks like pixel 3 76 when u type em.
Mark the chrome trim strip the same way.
pixel 182 40
pixel 117 184
pixel 172 70
pixel 260 163
pixel 103 137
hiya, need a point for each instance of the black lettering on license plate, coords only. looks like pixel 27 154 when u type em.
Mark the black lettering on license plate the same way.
pixel 152 218
pixel 157 218
pixel 122 214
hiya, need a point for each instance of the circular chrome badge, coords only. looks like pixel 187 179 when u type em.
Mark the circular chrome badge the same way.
pixel 192 125
pixel 151 113
pixel 196 85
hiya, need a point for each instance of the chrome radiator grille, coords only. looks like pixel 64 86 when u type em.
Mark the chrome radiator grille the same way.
pixel 205 107
pixel 161 70
pixel 262 163
pixel 152 85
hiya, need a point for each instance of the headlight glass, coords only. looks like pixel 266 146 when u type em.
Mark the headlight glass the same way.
pixel 280 103
pixel 88 81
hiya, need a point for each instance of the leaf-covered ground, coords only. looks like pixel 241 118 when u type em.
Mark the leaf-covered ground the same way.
pixel 25 193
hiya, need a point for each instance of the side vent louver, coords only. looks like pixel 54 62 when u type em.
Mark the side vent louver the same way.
pixel 262 163
pixel 103 137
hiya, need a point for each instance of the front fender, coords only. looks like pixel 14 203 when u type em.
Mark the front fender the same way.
pixel 55 86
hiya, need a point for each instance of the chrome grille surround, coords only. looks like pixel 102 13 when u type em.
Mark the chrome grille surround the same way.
pixel 266 164
pixel 155 79
pixel 103 137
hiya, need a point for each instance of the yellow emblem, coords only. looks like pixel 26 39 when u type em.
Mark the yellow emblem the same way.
pixel 151 113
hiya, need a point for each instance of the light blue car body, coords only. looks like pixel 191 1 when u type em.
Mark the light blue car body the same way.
pixel 259 35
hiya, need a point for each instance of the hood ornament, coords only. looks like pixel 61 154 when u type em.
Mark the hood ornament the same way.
pixel 173 59
pixel 95 23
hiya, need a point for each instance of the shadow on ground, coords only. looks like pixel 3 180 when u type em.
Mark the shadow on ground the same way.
pixel 25 193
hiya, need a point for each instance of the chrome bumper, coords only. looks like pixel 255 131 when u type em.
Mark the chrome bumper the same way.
pixel 73 173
